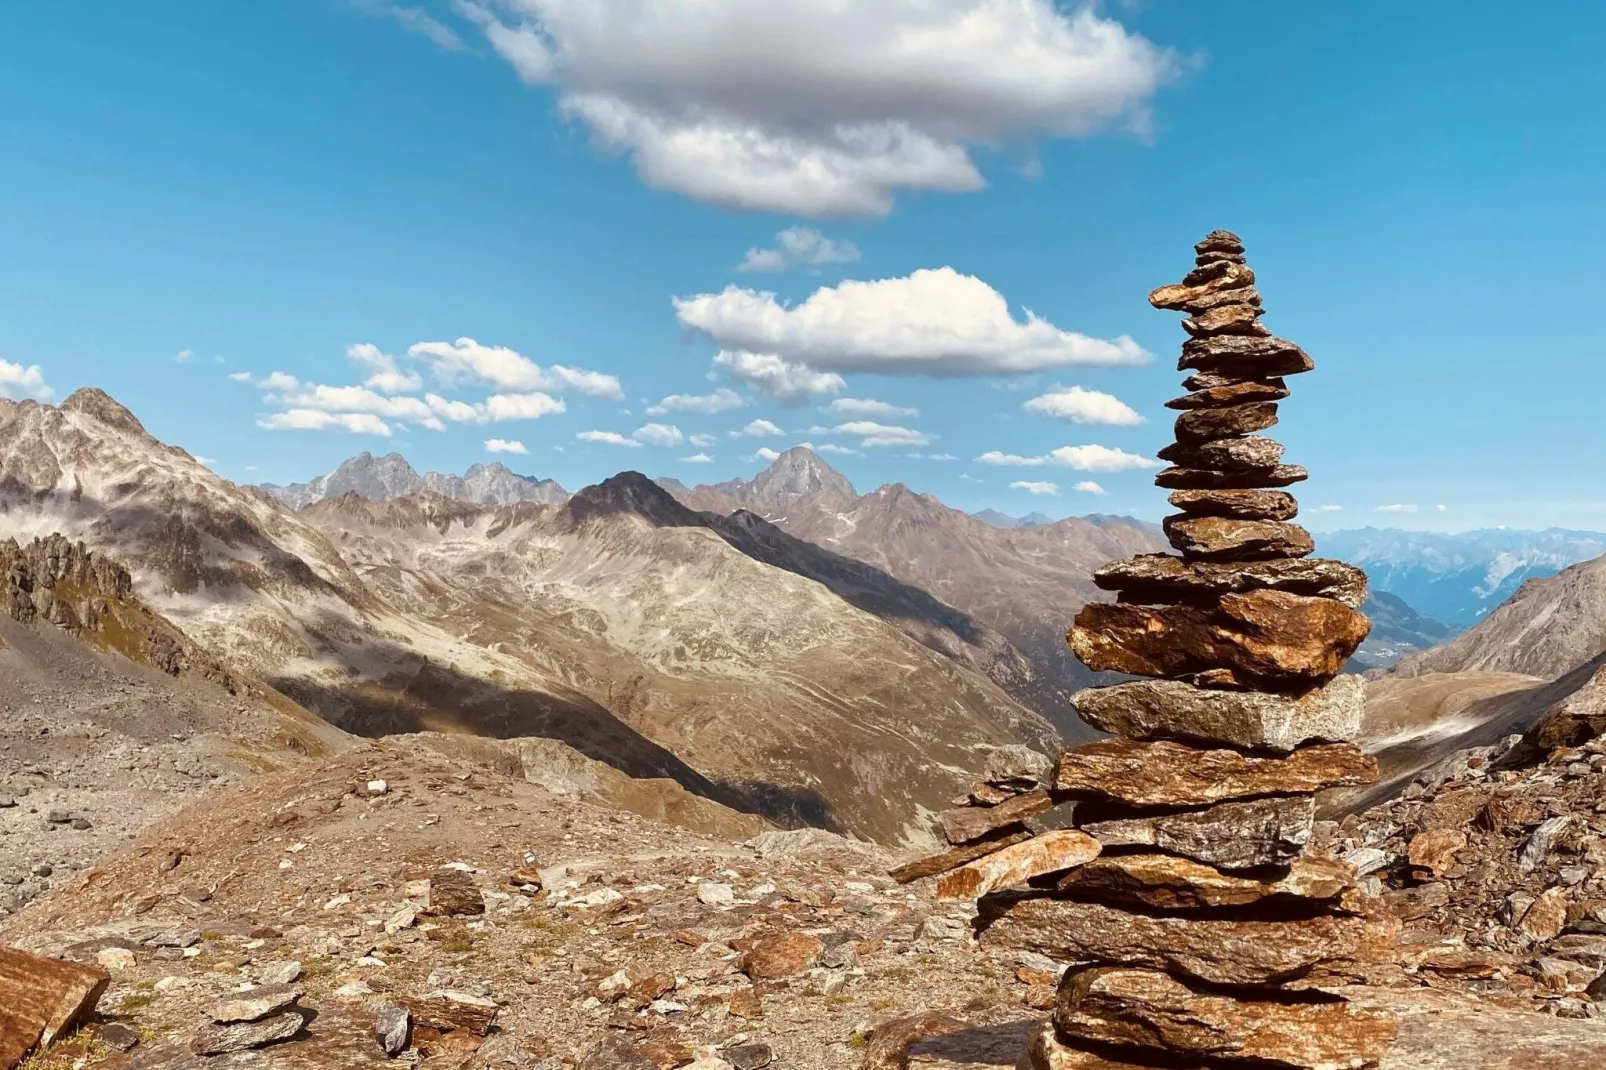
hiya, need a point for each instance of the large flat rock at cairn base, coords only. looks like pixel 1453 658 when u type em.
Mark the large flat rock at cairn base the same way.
pixel 1217 538
pixel 1174 774
pixel 1207 948
pixel 1166 578
pixel 1144 1009
pixel 40 999
pixel 1166 882
pixel 1157 709
pixel 1258 639
pixel 1231 835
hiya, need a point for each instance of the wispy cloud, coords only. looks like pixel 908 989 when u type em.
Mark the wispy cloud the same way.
pixel 1087 486
pixel 869 409
pixel 1396 508
pixel 608 438
pixel 1035 487
pixel 707 404
pixel 878 434
pixel 415 19
pixel 800 247
pixel 1089 458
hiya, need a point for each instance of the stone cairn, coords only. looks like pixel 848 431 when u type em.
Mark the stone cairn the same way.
pixel 1201 927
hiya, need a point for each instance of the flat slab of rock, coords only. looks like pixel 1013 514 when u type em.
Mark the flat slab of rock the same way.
pixel 1244 355
pixel 1242 504
pixel 954 857
pixel 1143 1009
pixel 964 824
pixel 1222 539
pixel 1230 835
pixel 1047 1050
pixel 1226 319
pixel 1202 425
pixel 255 1004
pixel 1254 639
pixel 1176 478
pixel 1174 774
pixel 1166 578
pixel 995 1047
pixel 1166 882
pixel 42 998
pixel 1228 454
pixel 1232 286
pixel 1208 948
pixel 1446 1031
pixel 1050 852
pixel 246 1036
pixel 1160 709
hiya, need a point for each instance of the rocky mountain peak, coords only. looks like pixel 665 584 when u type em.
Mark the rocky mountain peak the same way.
pixel 96 403
pixel 800 473
pixel 632 493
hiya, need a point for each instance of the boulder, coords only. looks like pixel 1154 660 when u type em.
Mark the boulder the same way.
pixel 1016 767
pixel 1144 1009
pixel 1229 835
pixel 1202 425
pixel 215 1039
pixel 614 1052
pixel 1161 709
pixel 1231 393
pixel 452 892
pixel 1227 454
pixel 1246 355
pixel 1175 478
pixel 1050 852
pixel 1576 719
pixel 1167 882
pixel 1175 774
pixel 393 1028
pixel 40 999
pixel 1217 538
pixel 1166 578
pixel 1270 639
pixel 1205 947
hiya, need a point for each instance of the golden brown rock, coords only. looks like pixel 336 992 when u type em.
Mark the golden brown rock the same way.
pixel 1144 1009
pixel 1220 241
pixel 1201 425
pixel 1167 709
pixel 1243 504
pixel 1219 538
pixel 1434 850
pixel 1258 638
pixel 1227 454
pixel 1245 355
pixel 1165 578
pixel 954 857
pixel 1232 835
pixel 1174 774
pixel 1206 947
pixel 967 823
pixel 1283 475
pixel 1235 393
pixel 1166 882
pixel 1049 852
pixel 1047 1050
pixel 1226 319
pixel 40 999
pixel 1196 298
pixel 890 1042
pixel 781 955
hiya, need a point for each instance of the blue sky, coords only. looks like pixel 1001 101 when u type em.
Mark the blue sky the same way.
pixel 575 187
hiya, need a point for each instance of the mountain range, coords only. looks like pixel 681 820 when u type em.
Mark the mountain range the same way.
pixel 383 478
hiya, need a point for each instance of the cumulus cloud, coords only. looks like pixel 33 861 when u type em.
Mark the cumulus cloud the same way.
pixel 787 382
pixel 832 447
pixel 869 409
pixel 385 376
pixel 466 359
pixel 184 356
pixel 703 441
pixel 503 445
pixel 1088 458
pixel 1441 508
pixel 272 381
pixel 697 458
pixel 933 322
pixel 1084 407
pixel 707 404
pixel 607 438
pixel 358 423
pixel 1396 508
pixel 415 19
pixel 1034 487
pixel 659 435
pixel 800 247
pixel 362 399
pixel 818 109
pixel 24 381
pixel 879 434
pixel 1087 486
pixel 764 453
pixel 758 429
pixel 530 406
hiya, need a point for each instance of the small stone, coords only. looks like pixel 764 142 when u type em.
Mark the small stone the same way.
pixel 1222 539
pixel 967 823
pixel 1245 355
pixel 1016 767
pixel 453 892
pixel 1202 425
pixel 713 894
pixel 7 802
pixel 42 869
pixel 115 959
pixel 1229 835
pixel 57 817
pixel 1176 478
pixel 286 973
pixel 1235 392
pixel 82 824
pixel 1050 852
pixel 1539 845
pixel 1435 850
pixel 243 1036
pixel 254 1005
pixel 1243 504
pixel 393 1028
pixel 613 1052
pixel 378 787
pixel 117 1036
pixel 1174 774
pixel 1545 919
pixel 749 1056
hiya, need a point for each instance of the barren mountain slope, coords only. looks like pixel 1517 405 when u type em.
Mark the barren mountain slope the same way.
pixel 761 677
pixel 1026 583
pixel 382 478
pixel 1548 628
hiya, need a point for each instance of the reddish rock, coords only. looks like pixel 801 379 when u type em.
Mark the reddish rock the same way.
pixel 1217 538
pixel 891 1040
pixel 1242 504
pixel 1434 850
pixel 1245 355
pixel 967 823
pixel 786 955
pixel 1050 852
pixel 954 857
pixel 1174 774
pixel 1167 882
pixel 40 999
pixel 1165 578
pixel 1283 475
pixel 1201 425
pixel 1200 297
pixel 1231 393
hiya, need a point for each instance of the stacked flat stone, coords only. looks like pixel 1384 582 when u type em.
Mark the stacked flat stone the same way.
pixel 1199 928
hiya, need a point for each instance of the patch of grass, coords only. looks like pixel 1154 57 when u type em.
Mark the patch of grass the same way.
pixel 134 1001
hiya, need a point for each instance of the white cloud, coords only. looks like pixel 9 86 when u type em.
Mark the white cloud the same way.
pixel 1039 488
pixel 1396 509
pixel 707 404
pixel 1441 508
pixel 758 429
pixel 697 458
pixel 832 447
pixel 877 434
pixel 659 435
pixel 466 359
pixel 1082 458
pixel 609 438
pixel 1329 508
pixel 416 19
pixel 800 247
pixel 869 408
pixel 1087 486
pixel 271 381
pixel 185 356
pixel 702 440
pixel 932 457
pixel 362 399
pixel 933 322
pixel 817 109
pixel 358 423
pixel 784 381
pixel 530 406
pixel 385 376
pixel 503 445
pixel 764 453
pixel 29 381
pixel 1084 407
pixel 210 462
